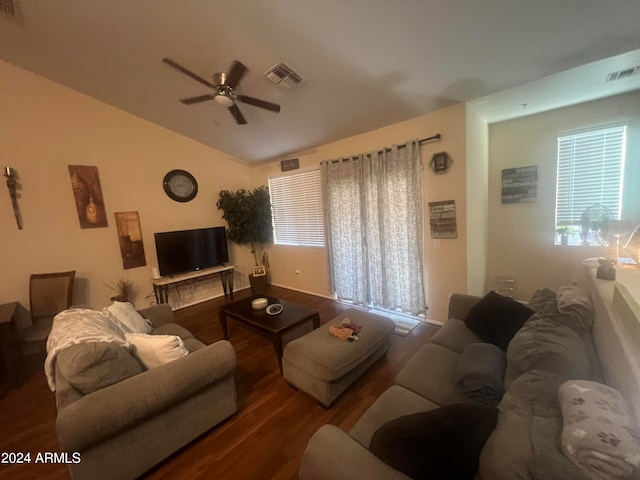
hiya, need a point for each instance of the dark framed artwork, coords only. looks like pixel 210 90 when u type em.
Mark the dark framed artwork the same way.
pixel 130 239
pixel 520 185
pixel 440 162
pixel 291 164
pixel 442 219
pixel 87 193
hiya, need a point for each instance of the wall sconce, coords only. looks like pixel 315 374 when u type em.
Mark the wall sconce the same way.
pixel 10 173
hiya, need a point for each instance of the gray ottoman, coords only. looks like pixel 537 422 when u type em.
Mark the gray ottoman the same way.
pixel 324 366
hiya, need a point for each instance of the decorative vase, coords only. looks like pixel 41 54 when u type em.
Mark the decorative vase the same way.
pixel 606 271
pixel 258 284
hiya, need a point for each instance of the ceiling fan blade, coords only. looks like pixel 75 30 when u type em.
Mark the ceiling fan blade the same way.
pixel 237 114
pixel 256 102
pixel 188 73
pixel 198 99
pixel 238 70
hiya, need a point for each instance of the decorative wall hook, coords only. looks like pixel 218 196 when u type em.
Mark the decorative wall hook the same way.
pixel 10 173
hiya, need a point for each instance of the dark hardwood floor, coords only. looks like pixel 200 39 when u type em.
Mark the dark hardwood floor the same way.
pixel 264 439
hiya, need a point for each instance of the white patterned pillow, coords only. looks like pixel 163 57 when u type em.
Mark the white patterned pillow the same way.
pixel 600 433
pixel 155 350
pixel 128 317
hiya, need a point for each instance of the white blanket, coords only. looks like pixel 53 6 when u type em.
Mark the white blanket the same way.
pixel 79 325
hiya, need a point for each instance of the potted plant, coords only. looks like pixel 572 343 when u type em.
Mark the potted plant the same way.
pixel 248 215
pixel 123 288
pixel 565 232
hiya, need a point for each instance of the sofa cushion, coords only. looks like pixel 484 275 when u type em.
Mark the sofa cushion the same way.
pixel 455 335
pixel 431 373
pixel 443 443
pixel 172 329
pixel 155 350
pixel 127 316
pixel 496 318
pixel 526 441
pixel 193 344
pixel 543 344
pixel 91 366
pixel 395 402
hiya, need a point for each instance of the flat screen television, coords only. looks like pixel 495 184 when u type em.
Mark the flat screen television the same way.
pixel 191 250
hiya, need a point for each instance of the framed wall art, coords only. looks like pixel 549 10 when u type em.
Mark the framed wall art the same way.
pixel 87 194
pixel 440 162
pixel 442 219
pixel 130 239
pixel 520 185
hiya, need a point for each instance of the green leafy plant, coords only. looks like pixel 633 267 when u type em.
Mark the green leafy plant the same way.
pixel 565 230
pixel 248 215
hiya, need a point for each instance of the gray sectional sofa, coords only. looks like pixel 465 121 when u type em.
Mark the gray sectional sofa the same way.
pixel 547 350
pixel 124 429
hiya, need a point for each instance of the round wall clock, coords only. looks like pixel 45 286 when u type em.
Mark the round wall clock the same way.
pixel 180 185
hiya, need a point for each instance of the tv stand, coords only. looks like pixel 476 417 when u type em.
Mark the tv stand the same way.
pixel 161 285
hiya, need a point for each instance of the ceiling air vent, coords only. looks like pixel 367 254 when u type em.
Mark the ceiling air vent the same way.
pixel 6 7
pixel 283 75
pixel 620 74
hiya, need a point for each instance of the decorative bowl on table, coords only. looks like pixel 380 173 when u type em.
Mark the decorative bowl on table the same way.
pixel 259 303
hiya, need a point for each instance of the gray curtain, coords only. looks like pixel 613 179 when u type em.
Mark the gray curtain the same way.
pixel 373 217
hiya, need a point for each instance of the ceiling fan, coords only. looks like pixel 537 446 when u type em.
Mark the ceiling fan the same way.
pixel 224 90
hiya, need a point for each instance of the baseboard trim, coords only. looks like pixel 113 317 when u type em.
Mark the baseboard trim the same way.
pixel 433 322
pixel 330 297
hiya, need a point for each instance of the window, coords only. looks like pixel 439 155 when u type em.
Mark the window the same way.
pixel 296 202
pixel 590 172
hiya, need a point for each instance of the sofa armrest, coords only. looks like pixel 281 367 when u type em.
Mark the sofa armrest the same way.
pixel 104 413
pixel 159 314
pixel 333 455
pixel 460 304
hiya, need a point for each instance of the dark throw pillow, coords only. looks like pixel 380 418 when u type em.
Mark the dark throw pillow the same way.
pixel 496 318
pixel 444 443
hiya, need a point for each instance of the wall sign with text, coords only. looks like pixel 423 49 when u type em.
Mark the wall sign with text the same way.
pixel 520 185
pixel 442 219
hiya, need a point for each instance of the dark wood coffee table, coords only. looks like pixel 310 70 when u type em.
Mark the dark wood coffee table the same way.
pixel 269 326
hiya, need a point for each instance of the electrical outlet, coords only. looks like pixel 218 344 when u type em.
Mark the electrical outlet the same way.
pixel 297 271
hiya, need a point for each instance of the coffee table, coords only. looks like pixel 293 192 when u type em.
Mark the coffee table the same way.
pixel 272 327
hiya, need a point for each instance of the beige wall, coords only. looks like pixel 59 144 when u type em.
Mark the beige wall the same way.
pixel 521 236
pixel 43 128
pixel 477 202
pixel 445 266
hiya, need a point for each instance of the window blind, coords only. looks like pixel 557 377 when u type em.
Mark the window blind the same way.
pixel 590 170
pixel 296 203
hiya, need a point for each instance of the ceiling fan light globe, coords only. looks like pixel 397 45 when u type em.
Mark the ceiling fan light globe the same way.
pixel 223 100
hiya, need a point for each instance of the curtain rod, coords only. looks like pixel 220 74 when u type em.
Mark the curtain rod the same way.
pixel 437 136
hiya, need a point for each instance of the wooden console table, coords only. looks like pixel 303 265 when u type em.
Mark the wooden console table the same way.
pixel 161 285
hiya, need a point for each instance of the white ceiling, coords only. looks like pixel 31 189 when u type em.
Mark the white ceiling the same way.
pixel 366 63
